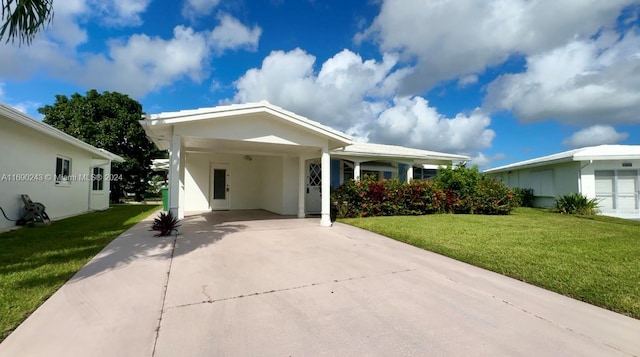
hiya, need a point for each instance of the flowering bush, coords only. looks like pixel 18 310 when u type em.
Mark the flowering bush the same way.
pixel 459 190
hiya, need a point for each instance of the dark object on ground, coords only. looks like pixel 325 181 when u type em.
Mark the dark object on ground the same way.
pixel 165 224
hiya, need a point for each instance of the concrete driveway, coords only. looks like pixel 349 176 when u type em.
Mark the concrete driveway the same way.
pixel 255 284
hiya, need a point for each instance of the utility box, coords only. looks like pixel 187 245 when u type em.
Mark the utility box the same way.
pixel 165 198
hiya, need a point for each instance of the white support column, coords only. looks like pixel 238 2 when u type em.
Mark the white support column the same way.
pixel 326 188
pixel 181 194
pixel 174 175
pixel 356 170
pixel 409 172
pixel 302 186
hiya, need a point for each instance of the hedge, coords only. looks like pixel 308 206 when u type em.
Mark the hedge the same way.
pixel 461 190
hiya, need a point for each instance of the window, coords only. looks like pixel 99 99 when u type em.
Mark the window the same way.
pixel 420 173
pixel 63 170
pixel 347 172
pixel 97 179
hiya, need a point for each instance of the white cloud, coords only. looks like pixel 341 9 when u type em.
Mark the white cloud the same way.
pixel 584 82
pixel 483 160
pixel 412 122
pixel 29 107
pixel 231 34
pixel 595 135
pixel 335 95
pixel 195 8
pixel 1 91
pixel 467 80
pixel 120 13
pixel 355 95
pixel 143 64
pixel 452 38
pixel 135 65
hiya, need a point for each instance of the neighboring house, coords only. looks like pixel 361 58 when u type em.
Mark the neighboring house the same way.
pixel 63 173
pixel 606 172
pixel 260 156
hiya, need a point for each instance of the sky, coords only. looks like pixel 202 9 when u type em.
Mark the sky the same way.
pixel 497 80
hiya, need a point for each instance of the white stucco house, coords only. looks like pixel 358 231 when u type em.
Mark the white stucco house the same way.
pixel 609 173
pixel 260 156
pixel 52 167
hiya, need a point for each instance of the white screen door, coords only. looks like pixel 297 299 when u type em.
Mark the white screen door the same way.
pixel 605 192
pixel 627 191
pixel 219 187
pixel 313 198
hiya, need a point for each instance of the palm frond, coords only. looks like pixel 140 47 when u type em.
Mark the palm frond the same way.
pixel 22 19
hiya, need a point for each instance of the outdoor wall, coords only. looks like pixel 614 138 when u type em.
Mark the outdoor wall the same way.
pixel 290 186
pixel 251 128
pixel 271 184
pixel 588 172
pixel 99 200
pixel 26 151
pixel 245 180
pixel 548 182
pixel 588 184
pixel 196 182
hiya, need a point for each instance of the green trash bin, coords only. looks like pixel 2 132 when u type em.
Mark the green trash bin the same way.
pixel 165 198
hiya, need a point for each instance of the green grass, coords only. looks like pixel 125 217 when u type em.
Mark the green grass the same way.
pixel 35 262
pixel 595 259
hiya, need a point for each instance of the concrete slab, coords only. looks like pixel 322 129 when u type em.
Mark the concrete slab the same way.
pixel 110 307
pixel 253 283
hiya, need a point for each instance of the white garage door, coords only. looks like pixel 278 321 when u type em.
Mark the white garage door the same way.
pixel 617 190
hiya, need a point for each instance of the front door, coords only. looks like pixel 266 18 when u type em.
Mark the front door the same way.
pixel 313 198
pixel 219 187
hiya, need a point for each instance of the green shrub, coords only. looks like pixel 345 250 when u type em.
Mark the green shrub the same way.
pixel 577 203
pixel 492 197
pixel 524 196
pixel 165 224
pixel 459 190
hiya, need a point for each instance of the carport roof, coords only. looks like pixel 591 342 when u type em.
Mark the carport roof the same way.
pixel 392 151
pixel 600 152
pixel 152 121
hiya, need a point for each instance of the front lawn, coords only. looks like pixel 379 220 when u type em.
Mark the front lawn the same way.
pixel 35 262
pixel 595 259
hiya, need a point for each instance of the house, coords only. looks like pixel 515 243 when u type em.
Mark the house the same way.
pixel 65 174
pixel 260 156
pixel 608 173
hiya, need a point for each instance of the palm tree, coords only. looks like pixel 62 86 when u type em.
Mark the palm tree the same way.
pixel 22 19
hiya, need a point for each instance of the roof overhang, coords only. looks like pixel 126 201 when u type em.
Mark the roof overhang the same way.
pixel 159 127
pixel 21 118
pixel 591 153
pixel 371 152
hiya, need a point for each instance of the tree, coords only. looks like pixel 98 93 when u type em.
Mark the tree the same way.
pixel 109 120
pixel 22 19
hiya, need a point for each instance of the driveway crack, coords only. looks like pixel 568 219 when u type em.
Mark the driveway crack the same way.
pixel 336 281
pixel 164 294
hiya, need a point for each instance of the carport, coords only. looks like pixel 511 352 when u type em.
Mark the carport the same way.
pixel 246 156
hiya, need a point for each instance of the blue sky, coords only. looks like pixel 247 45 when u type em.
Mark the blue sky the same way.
pixel 498 80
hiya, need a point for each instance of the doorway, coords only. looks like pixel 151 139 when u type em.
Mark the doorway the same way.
pixel 219 199
pixel 313 197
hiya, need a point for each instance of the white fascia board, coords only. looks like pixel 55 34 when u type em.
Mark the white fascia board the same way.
pixel 607 157
pixel 524 165
pixel 398 157
pixel 21 118
pixel 245 109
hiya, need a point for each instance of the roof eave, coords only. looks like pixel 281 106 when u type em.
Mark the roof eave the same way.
pixel 530 165
pixel 21 118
